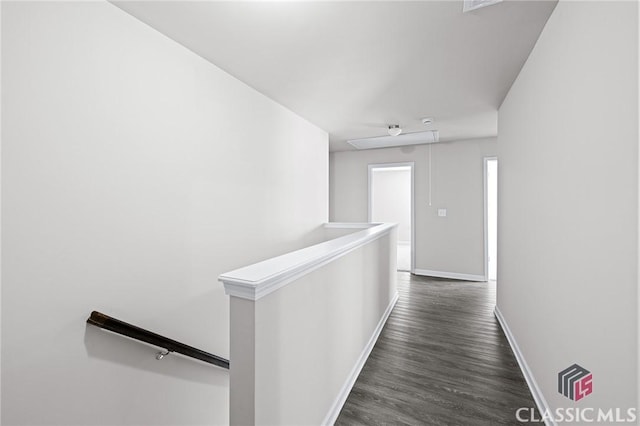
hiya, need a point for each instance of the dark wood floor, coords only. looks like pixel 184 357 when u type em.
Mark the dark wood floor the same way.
pixel 441 359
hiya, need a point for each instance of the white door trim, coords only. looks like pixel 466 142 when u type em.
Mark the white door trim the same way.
pixel 485 160
pixel 411 166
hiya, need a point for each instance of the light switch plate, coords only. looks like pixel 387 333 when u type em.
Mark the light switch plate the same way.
pixel 442 212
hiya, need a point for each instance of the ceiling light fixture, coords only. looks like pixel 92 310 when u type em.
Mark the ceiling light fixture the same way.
pixel 394 130
pixel 416 138
pixel 470 5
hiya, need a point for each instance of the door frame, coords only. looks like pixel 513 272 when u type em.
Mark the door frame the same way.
pixel 411 166
pixel 485 170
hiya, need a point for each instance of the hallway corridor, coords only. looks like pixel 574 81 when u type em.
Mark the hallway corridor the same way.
pixel 441 359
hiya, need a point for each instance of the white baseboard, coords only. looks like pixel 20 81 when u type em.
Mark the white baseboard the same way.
pixel 452 275
pixel 341 398
pixel 541 403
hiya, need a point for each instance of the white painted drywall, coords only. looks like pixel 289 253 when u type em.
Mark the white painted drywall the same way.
pixel 391 199
pixel 568 202
pixel 298 346
pixel 0 216
pixel 453 244
pixel 492 217
pixel 134 173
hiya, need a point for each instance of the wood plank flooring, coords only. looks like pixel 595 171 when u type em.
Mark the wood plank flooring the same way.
pixel 441 359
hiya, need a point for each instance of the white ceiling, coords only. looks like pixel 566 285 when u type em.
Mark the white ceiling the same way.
pixel 352 67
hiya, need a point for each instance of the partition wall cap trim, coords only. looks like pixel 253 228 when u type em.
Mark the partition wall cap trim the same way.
pixel 341 398
pixel 256 281
pixel 452 275
pixel 538 397
pixel 348 225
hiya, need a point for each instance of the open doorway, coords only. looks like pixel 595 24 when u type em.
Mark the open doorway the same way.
pixel 491 217
pixel 391 200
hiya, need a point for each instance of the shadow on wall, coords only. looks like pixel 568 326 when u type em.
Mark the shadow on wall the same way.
pixel 111 347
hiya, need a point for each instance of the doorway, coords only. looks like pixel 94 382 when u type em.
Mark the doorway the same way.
pixel 491 218
pixel 391 200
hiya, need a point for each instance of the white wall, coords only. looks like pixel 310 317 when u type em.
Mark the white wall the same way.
pixel 568 202
pixel 300 348
pixel 452 244
pixel 492 217
pixel 391 199
pixel 134 173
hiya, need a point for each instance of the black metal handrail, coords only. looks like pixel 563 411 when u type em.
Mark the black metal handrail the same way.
pixel 108 323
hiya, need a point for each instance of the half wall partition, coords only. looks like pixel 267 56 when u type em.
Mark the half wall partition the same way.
pixel 304 323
